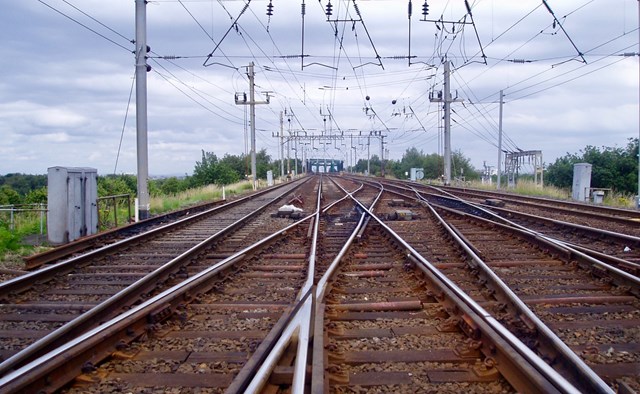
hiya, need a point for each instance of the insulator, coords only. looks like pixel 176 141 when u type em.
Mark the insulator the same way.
pixel 329 11
pixel 410 9
pixel 270 9
pixel 303 10
pixel 521 61
pixel 355 6
pixel 425 8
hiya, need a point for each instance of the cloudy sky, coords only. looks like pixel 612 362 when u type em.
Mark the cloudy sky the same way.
pixel 66 72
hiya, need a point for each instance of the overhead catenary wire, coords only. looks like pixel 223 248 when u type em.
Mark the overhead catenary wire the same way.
pixel 87 27
pixel 124 122
pixel 290 84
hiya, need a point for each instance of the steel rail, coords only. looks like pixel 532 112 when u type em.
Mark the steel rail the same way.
pixel 296 326
pixel 302 323
pixel 317 367
pixel 619 274
pixel 635 241
pixel 597 231
pixel 559 382
pixel 117 301
pixel 87 242
pixel 573 204
pixel 591 214
pixel 84 243
pixel 101 339
pixel 23 282
pixel 596 384
pixel 584 371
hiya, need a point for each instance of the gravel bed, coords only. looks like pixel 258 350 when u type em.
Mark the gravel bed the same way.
pixel 420 381
pixel 372 297
pixel 231 323
pixel 405 342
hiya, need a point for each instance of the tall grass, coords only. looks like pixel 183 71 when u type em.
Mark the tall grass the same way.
pixel 529 188
pixel 162 204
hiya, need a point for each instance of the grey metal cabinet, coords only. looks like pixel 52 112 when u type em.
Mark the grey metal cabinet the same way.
pixel 72 203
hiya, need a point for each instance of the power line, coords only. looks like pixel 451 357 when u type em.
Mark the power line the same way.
pixel 85 26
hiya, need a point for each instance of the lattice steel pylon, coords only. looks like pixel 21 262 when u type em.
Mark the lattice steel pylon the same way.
pixel 513 161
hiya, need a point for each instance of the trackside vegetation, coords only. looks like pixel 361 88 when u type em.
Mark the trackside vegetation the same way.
pixel 614 168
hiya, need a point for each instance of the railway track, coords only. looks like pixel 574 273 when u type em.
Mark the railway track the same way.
pixel 621 221
pixel 36 305
pixel 241 297
pixel 595 311
pixel 383 295
pixel 565 290
pixel 617 249
pixel 107 237
pixel 570 205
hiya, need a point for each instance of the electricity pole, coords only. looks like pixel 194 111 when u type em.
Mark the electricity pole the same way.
pixel 500 139
pixel 281 146
pixel 252 118
pixel 141 110
pixel 381 155
pixel 447 100
pixel 369 154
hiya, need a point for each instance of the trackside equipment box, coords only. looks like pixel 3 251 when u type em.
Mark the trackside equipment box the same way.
pixel 72 203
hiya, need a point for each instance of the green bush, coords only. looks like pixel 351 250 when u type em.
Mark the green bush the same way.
pixel 9 240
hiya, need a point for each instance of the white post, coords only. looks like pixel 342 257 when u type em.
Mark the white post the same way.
pixel 41 218
pixel 638 201
pixel 224 197
pixel 500 141
pixel 252 119
pixel 141 109
pixel 281 146
pixel 447 124
pixel 369 155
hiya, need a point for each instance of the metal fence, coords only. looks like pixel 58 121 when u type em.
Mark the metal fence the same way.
pixel 23 216
pixel 114 209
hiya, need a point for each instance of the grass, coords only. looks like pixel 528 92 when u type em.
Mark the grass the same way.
pixel 162 204
pixel 529 188
pixel 14 244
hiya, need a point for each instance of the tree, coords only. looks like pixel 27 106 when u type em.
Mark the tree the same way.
pixel 211 170
pixel 8 196
pixel 111 185
pixel 462 166
pixel 170 185
pixel 36 196
pixel 263 164
pixel 204 171
pixel 615 168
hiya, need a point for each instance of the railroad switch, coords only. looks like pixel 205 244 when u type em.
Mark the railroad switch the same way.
pixel 398 202
pixel 494 202
pixel 402 214
pixel 299 199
